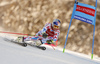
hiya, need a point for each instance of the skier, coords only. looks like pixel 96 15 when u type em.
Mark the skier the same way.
pixel 48 34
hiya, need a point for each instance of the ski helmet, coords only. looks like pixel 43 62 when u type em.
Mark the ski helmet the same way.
pixel 56 22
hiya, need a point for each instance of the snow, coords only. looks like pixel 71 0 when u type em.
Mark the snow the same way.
pixel 11 53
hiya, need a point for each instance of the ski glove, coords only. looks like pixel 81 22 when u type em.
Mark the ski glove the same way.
pixel 44 35
pixel 49 41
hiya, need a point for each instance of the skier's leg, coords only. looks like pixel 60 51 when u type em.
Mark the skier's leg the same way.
pixel 36 41
pixel 23 39
pixel 44 40
pixel 27 38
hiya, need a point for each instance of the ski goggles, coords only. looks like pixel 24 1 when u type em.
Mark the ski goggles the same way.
pixel 55 26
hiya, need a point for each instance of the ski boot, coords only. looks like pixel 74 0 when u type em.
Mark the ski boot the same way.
pixel 21 40
pixel 38 44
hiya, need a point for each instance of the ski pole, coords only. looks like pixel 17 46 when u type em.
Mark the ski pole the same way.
pixel 52 47
pixel 16 33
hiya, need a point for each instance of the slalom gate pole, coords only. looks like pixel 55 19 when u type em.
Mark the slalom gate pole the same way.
pixel 69 28
pixel 53 47
pixel 94 30
pixel 67 36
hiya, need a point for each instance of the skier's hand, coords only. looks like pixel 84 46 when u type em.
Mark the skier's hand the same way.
pixel 49 41
pixel 44 35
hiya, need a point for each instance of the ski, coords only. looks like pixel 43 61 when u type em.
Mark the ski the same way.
pixel 40 47
pixel 25 44
pixel 11 40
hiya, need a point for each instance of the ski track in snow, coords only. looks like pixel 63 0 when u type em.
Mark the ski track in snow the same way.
pixel 11 53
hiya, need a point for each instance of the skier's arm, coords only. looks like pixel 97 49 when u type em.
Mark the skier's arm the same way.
pixel 55 38
pixel 43 30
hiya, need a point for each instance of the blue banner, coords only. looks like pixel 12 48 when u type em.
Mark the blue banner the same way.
pixel 84 12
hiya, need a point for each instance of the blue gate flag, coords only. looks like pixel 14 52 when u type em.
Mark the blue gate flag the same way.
pixel 85 13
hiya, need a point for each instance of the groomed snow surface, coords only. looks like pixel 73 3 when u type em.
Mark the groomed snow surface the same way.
pixel 11 53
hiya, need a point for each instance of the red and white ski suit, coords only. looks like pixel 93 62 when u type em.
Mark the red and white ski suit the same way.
pixel 48 29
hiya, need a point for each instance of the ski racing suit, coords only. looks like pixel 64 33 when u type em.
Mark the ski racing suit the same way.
pixel 48 29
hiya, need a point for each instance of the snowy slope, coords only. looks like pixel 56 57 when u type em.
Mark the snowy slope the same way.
pixel 11 53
